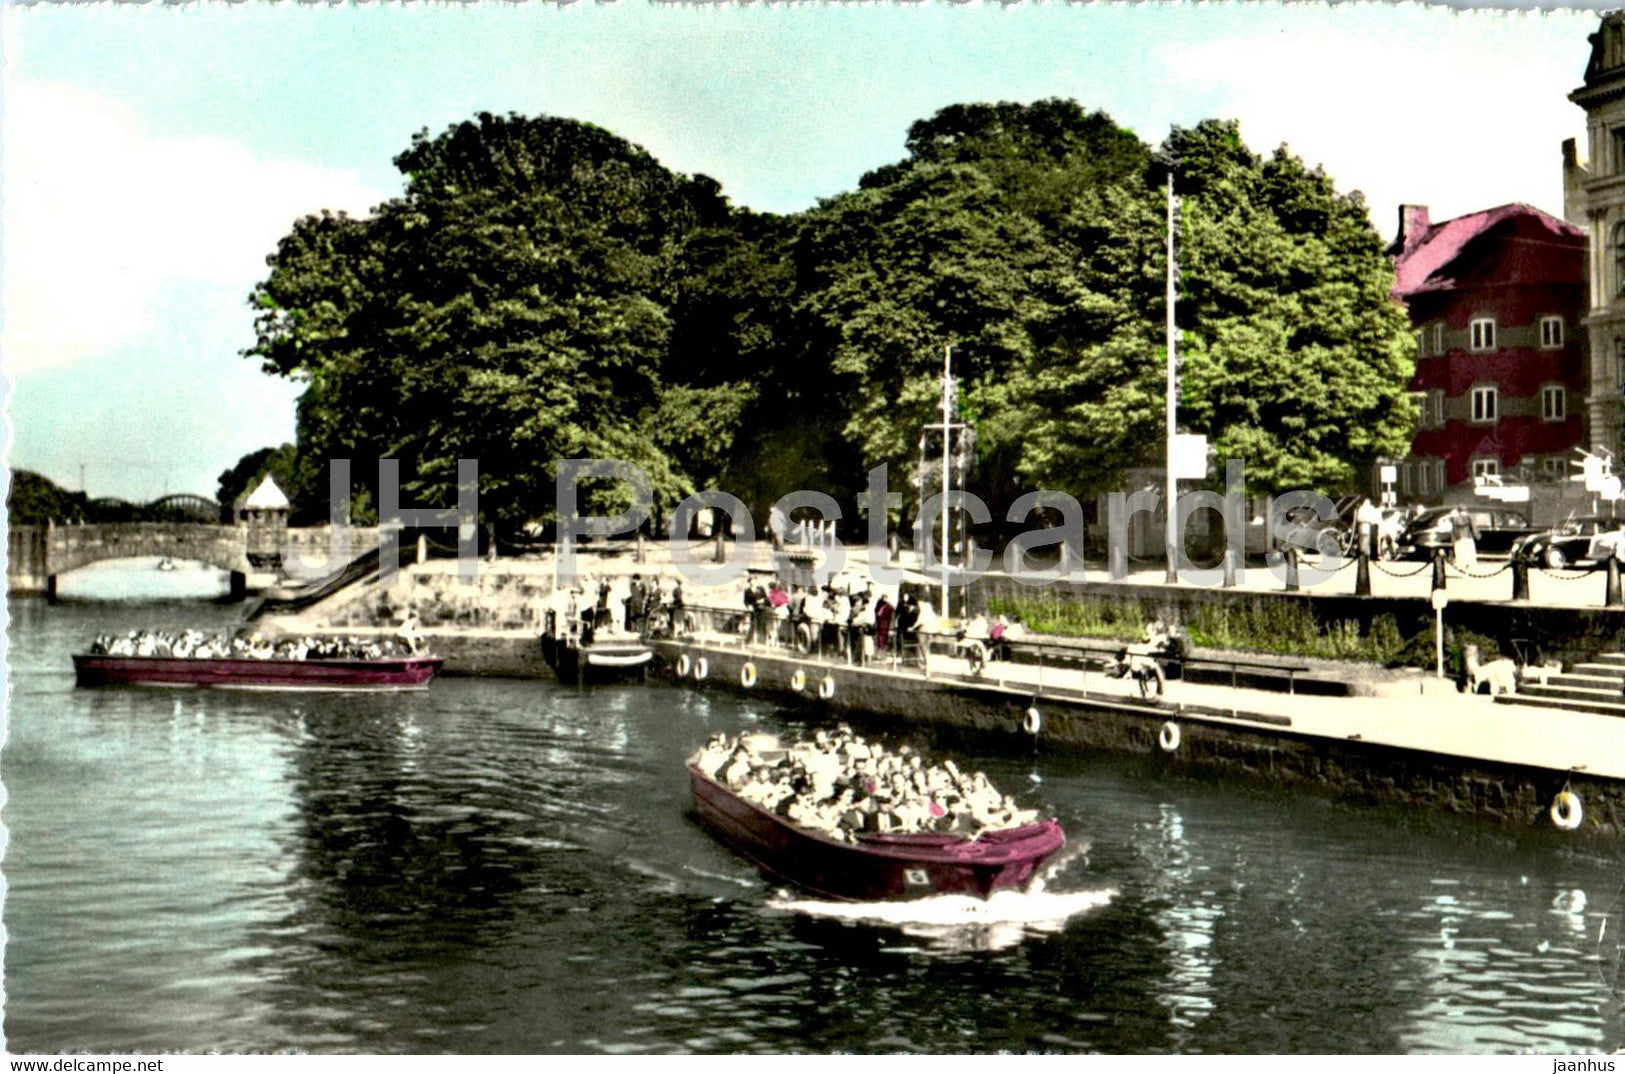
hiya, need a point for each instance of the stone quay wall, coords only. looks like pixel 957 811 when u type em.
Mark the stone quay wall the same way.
pixel 1266 752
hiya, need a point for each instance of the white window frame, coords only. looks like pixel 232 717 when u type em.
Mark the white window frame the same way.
pixel 1438 337
pixel 1554 467
pixel 1551 333
pixel 1485 467
pixel 1433 409
pixel 1481 334
pixel 1549 411
pixel 1421 343
pixel 1486 404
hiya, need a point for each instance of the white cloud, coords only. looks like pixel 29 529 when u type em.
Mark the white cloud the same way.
pixel 1459 116
pixel 101 214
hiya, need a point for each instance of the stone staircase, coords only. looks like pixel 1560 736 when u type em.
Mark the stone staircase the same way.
pixel 1597 685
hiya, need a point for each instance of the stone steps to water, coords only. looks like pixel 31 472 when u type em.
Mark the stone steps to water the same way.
pixel 1578 693
pixel 1601 708
pixel 1597 685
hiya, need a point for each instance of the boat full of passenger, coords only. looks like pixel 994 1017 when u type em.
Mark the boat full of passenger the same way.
pixel 849 819
pixel 250 662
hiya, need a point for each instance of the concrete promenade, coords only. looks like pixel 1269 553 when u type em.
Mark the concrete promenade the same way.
pixel 1439 720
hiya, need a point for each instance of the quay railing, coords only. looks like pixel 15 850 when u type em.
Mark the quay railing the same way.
pixel 911 651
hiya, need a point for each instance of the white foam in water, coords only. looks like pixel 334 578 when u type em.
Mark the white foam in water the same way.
pixel 965 922
pixel 962 921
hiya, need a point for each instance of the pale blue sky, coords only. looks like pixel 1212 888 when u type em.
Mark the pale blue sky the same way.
pixel 153 155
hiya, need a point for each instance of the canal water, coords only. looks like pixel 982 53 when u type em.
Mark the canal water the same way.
pixel 509 866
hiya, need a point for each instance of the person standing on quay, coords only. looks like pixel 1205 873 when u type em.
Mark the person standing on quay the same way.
pixel 883 620
pixel 1463 539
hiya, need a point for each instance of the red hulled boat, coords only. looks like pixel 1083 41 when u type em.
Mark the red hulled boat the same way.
pixel 876 866
pixel 249 673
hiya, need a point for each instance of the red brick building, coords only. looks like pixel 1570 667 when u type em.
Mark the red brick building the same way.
pixel 1496 299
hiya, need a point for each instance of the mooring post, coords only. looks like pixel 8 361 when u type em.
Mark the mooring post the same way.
pixel 1291 555
pixel 1612 599
pixel 1229 567
pixel 1520 578
pixel 1362 571
pixel 1438 569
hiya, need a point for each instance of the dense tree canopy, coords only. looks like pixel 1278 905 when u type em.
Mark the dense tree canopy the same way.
pixel 35 499
pixel 544 290
pixel 280 463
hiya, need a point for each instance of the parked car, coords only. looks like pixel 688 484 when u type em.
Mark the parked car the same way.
pixel 1585 539
pixel 1498 529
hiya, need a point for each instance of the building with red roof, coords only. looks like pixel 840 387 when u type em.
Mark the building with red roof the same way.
pixel 1496 299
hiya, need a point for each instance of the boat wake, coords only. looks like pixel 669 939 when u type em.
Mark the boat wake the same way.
pixel 962 922
pixel 967 923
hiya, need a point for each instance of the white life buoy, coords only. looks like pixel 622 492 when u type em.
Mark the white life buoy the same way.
pixel 1168 737
pixel 826 687
pixel 682 666
pixel 798 680
pixel 1032 721
pixel 747 675
pixel 1567 812
pixel 700 669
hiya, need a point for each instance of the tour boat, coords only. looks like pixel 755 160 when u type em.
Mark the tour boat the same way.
pixel 876 866
pixel 248 673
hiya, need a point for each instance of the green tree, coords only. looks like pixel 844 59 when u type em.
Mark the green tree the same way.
pixel 513 306
pixel 34 500
pixel 961 243
pixel 1293 357
pixel 280 463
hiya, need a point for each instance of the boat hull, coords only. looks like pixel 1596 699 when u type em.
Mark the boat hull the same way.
pixel 621 661
pixel 878 867
pixel 398 673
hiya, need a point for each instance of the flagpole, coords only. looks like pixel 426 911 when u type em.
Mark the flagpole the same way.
pixel 947 381
pixel 1171 406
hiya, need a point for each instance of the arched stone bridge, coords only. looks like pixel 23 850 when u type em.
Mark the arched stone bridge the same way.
pixel 38 554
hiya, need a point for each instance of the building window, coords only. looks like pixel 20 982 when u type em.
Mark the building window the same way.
pixel 1551 332
pixel 1486 405
pixel 1483 334
pixel 1553 403
pixel 1619 149
pixel 1619 256
pixel 1483 468
pixel 1421 343
pixel 1438 337
pixel 1432 416
pixel 1552 467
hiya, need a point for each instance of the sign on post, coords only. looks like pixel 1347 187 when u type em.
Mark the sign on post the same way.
pixel 1189 461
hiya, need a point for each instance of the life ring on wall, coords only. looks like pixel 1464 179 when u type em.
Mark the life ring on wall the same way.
pixel 747 675
pixel 798 680
pixel 1567 812
pixel 826 687
pixel 1032 721
pixel 700 669
pixel 682 666
pixel 1168 737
